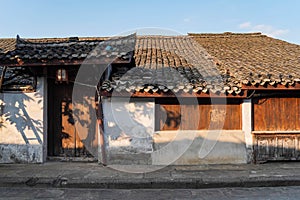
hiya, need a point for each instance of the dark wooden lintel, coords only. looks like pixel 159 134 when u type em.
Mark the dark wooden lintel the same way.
pixel 270 87
pixel 65 62
pixel 169 94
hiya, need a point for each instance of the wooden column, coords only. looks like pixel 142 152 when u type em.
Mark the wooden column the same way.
pixel 2 77
pixel 247 127
pixel 102 157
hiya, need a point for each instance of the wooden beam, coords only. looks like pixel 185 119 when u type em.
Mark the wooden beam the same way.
pixel 274 132
pixel 60 62
pixel 270 87
pixel 170 94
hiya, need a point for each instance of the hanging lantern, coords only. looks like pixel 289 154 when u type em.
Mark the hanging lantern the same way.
pixel 61 75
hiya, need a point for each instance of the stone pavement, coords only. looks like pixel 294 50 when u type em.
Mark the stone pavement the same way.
pixel 93 175
pixel 255 193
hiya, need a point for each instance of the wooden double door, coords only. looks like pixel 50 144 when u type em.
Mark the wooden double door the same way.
pixel 63 139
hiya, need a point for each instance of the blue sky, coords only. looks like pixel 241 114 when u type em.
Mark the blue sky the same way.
pixel 64 18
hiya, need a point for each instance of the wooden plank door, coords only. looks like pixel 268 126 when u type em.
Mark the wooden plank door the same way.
pixel 71 144
pixel 276 128
pixel 63 138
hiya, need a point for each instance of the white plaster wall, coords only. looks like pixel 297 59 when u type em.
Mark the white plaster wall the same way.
pixel 24 125
pixel 247 127
pixel 128 127
pixel 188 147
pixel 131 139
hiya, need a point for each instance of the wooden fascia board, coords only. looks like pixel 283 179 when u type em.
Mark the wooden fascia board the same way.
pixel 169 95
pixel 270 87
pixel 64 62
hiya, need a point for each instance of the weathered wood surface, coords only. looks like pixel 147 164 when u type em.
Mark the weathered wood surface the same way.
pixel 172 116
pixel 273 146
pixel 276 114
pixel 63 140
pixel 71 142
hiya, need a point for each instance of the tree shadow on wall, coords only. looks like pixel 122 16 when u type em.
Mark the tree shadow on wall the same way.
pixel 83 116
pixel 78 129
pixel 16 111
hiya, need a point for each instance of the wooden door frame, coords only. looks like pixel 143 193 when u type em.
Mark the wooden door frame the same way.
pixel 53 118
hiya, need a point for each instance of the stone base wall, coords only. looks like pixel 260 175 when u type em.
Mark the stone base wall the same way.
pixel 12 153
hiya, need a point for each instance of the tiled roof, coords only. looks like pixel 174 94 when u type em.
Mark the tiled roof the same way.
pixel 17 78
pixel 172 63
pixel 62 50
pixel 211 62
pixel 220 63
pixel 254 59
pixel 7 44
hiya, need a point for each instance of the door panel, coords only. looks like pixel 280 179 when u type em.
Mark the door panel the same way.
pixel 276 146
pixel 276 125
pixel 71 143
pixel 63 139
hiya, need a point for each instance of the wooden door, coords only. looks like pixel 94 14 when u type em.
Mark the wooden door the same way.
pixel 276 128
pixel 63 139
pixel 71 144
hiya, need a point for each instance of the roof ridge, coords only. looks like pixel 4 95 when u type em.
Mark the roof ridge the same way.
pixel 62 40
pixel 161 36
pixel 69 39
pixel 228 34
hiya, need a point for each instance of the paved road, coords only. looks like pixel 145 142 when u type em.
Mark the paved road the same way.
pixel 144 194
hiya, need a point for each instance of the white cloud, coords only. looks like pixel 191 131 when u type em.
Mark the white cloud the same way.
pixel 265 29
pixel 245 25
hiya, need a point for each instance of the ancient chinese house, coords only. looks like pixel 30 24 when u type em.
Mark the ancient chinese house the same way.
pixel 191 99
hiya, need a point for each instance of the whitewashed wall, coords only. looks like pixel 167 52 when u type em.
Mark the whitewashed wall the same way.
pixel 129 129
pixel 131 139
pixel 23 127
pixel 188 147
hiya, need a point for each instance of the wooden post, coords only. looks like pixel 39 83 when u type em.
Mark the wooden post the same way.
pixel 2 77
pixel 101 133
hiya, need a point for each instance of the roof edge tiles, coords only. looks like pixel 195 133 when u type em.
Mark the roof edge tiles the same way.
pixel 67 50
pixel 242 60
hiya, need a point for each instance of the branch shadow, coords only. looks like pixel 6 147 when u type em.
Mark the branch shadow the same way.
pixel 15 111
